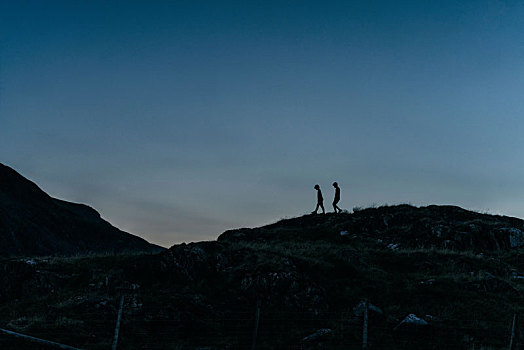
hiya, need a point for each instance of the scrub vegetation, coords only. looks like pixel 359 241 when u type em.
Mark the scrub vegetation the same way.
pixel 460 272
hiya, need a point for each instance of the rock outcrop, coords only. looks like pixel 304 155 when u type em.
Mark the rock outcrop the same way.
pixel 398 227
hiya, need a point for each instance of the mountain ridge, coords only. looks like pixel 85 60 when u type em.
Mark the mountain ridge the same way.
pixel 32 223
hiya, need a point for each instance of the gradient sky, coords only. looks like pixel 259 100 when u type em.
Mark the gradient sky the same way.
pixel 177 120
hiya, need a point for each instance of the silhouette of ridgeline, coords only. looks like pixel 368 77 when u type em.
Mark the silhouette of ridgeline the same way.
pixel 400 226
pixel 32 223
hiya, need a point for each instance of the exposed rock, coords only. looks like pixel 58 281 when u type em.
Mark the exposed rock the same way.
pixel 440 231
pixel 429 282
pixel 189 261
pixel 516 276
pixel 516 236
pixel 393 246
pixel 321 333
pixel 411 321
pixel 133 303
pixel 433 227
pixel 430 318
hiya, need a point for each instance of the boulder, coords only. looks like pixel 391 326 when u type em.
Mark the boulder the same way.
pixel 515 236
pixel 411 322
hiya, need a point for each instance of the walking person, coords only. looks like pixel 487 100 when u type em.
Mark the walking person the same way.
pixel 337 198
pixel 320 200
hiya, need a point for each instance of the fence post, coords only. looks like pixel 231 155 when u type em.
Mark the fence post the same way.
pixel 365 326
pixel 342 324
pixel 255 329
pixel 513 343
pixel 117 327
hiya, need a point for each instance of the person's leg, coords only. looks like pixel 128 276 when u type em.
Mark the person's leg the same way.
pixel 335 207
pixel 322 206
pixel 316 209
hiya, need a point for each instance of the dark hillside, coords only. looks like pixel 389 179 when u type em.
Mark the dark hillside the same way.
pixel 34 224
pixel 309 280
pixel 405 226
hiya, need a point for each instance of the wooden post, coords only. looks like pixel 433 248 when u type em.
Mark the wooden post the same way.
pixel 365 326
pixel 342 325
pixel 513 343
pixel 117 327
pixel 255 329
pixel 38 340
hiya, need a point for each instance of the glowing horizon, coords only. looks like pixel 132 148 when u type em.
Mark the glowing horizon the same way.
pixel 177 121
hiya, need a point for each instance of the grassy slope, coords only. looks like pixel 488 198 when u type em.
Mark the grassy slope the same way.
pixel 205 294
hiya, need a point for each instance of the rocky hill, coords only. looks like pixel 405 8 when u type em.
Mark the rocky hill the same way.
pixel 401 226
pixel 434 278
pixel 33 224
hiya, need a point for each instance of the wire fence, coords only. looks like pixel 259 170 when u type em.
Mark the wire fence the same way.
pixel 274 329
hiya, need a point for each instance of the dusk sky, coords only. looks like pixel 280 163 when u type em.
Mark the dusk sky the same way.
pixel 177 120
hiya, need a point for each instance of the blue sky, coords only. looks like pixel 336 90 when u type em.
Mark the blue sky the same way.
pixel 180 119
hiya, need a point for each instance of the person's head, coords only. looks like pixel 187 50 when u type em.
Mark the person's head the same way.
pixel 335 184
pixel 317 187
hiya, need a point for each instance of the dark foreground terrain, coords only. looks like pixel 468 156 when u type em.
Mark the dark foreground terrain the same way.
pixel 459 273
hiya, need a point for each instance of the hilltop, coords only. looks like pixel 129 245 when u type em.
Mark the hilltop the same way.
pixel 403 226
pixel 34 224
pixel 436 277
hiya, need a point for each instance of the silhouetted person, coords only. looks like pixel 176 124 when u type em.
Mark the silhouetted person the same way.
pixel 337 198
pixel 320 200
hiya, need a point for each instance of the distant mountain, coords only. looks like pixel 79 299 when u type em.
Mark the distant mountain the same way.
pixel 34 224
